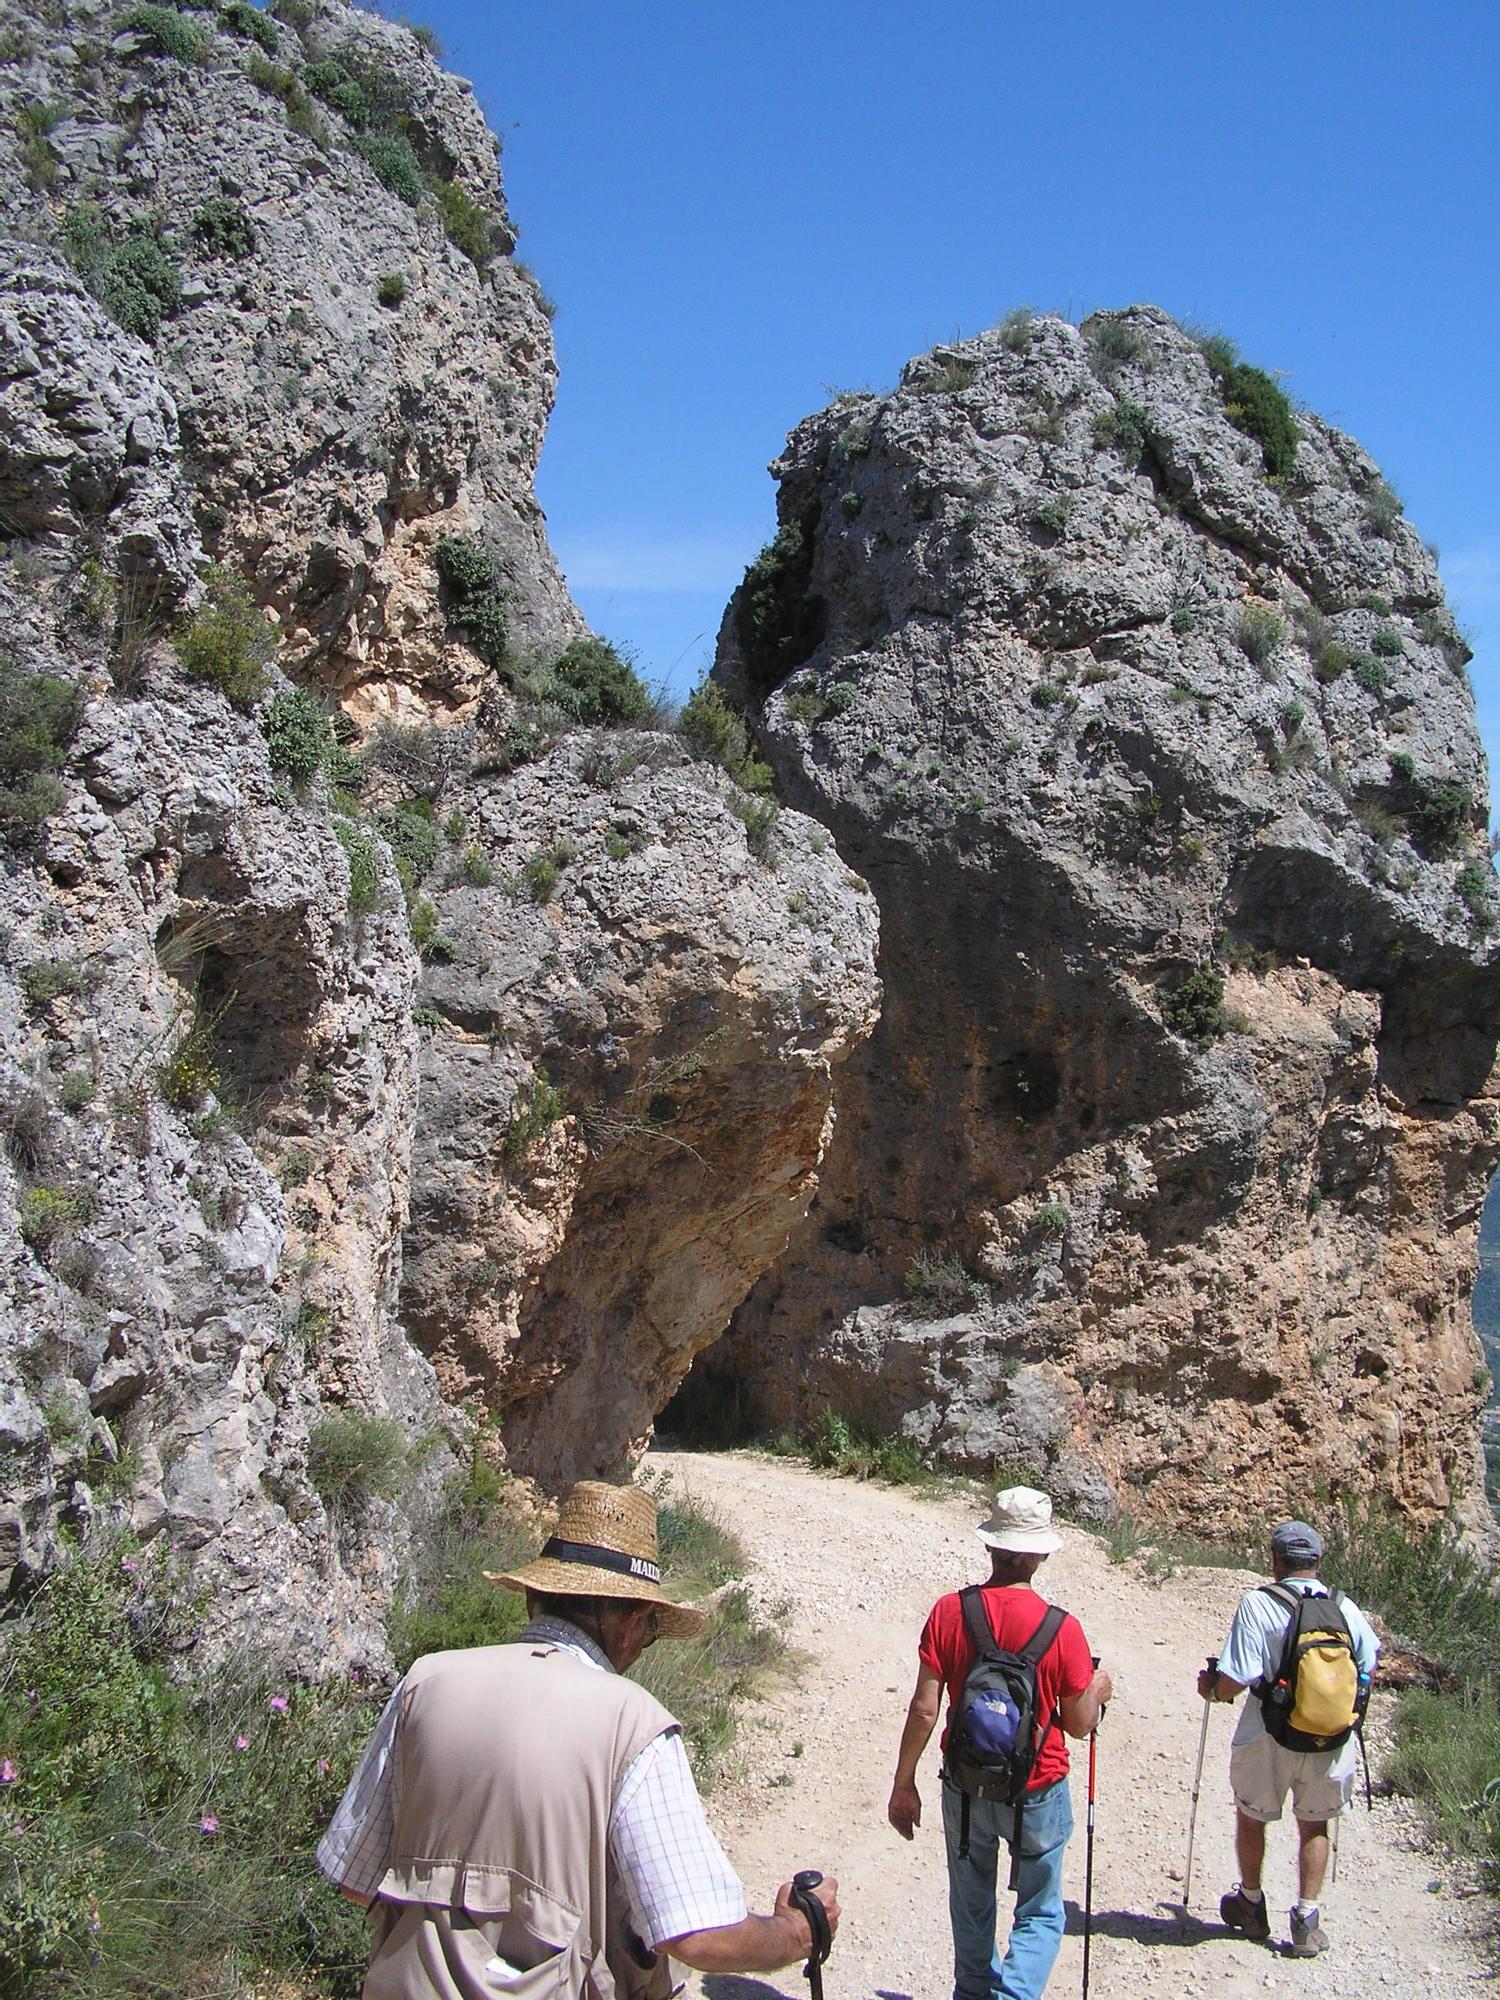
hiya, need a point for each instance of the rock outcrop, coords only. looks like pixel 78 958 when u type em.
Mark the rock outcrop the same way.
pixel 287 750
pixel 1136 701
pixel 627 1089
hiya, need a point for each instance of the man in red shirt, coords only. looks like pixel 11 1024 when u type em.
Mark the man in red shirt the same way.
pixel 1070 1693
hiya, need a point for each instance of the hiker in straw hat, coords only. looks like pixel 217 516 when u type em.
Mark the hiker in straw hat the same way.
pixel 523 1820
pixel 1063 1687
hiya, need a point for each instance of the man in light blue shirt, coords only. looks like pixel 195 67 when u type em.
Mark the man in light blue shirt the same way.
pixel 1261 1770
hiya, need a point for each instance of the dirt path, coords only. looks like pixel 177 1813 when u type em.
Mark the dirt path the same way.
pixel 860 1567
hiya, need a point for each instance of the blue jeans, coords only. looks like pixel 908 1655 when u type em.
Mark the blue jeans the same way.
pixel 979 1972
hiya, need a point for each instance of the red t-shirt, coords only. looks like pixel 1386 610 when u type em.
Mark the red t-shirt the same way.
pixel 1066 1668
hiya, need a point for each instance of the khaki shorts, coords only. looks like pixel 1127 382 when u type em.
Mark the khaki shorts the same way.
pixel 1261 1774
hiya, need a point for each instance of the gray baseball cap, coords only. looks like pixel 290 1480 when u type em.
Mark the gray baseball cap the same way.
pixel 1295 1542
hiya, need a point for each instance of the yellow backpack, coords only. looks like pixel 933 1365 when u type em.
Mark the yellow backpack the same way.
pixel 1316 1699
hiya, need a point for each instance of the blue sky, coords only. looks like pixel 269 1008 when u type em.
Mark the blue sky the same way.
pixel 741 209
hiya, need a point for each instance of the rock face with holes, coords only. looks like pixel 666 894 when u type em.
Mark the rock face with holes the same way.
pixel 1141 711
pixel 350 383
pixel 206 1061
pixel 626 1089
pixel 262 346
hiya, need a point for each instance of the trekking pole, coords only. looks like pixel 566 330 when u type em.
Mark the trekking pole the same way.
pixel 803 1884
pixel 1088 1864
pixel 1334 1871
pixel 1187 1873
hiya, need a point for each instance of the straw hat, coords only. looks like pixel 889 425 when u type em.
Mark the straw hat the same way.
pixel 604 1545
pixel 1020 1521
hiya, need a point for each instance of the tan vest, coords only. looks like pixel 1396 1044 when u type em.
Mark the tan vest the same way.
pixel 500 1883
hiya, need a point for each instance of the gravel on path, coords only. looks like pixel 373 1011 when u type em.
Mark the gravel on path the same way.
pixel 856 1568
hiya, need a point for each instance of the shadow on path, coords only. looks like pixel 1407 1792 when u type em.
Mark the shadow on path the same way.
pixel 1141 1927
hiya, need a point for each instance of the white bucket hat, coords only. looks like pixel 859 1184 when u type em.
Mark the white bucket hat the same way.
pixel 1021 1521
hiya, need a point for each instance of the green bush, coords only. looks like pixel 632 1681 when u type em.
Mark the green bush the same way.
pixel 1195 1008
pixel 282 83
pixel 939 1282
pixel 715 733
pixel 1474 885
pixel 391 290
pixel 1437 810
pixel 839 1446
pixel 394 164
pixel 1255 405
pixel 243 19
pixel 1258 632
pixel 1388 643
pixel 1053 1217
pixel 191 1072
pixel 536 1108
pixel 945 375
pixel 132 275
pixel 133 1780
pixel 329 80
pixel 411 828
pixel 352 1457
pixel 1051 516
pixel 1016 329
pixel 221 227
pixel 364 871
pixel 48 1212
pixel 39 717
pixel 167 32
pixel 470 224
pixel 758 816
pixel 227 642
pixel 1115 339
pixel 543 870
pixel 1126 426
pixel 477 598
pixel 49 979
pixel 1330 660
pixel 299 737
pixel 77 1090
pixel 778 620
pixel 596 686
pixel 1383 509
pixel 1373 675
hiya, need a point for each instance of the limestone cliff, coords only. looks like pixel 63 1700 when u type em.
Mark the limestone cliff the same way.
pixel 348 889
pixel 1134 697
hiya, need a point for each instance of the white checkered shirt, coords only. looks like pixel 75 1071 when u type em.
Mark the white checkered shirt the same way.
pixel 672 1871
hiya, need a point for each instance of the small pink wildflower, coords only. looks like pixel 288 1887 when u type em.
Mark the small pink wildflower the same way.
pixel 242 1742
pixel 279 1703
pixel 322 1767
pixel 129 1563
pixel 32 1696
pixel 209 1823
pixel 94 1922
pixel 8 1772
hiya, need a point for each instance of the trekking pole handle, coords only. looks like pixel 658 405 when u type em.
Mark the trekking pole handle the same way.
pixel 803 1883
pixel 1104 1705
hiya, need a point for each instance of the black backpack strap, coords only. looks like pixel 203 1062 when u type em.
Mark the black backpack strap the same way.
pixel 963 1826
pixel 1041 1640
pixel 977 1622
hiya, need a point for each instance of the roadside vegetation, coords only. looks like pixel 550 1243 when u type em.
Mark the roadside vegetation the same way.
pixel 158 1831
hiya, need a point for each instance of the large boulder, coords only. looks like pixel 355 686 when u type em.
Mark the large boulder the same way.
pixel 1135 699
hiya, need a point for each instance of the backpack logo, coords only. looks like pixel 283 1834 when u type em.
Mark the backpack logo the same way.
pixel 1315 1700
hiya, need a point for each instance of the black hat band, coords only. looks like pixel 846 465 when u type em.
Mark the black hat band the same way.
pixel 599 1558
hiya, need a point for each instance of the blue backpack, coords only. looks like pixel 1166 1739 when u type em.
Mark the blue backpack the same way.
pixel 995 1734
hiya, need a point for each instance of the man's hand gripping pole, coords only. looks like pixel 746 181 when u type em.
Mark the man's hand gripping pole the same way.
pixel 811 1907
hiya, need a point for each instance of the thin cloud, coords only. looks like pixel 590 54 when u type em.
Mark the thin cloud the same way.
pixel 1472 575
pixel 627 560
